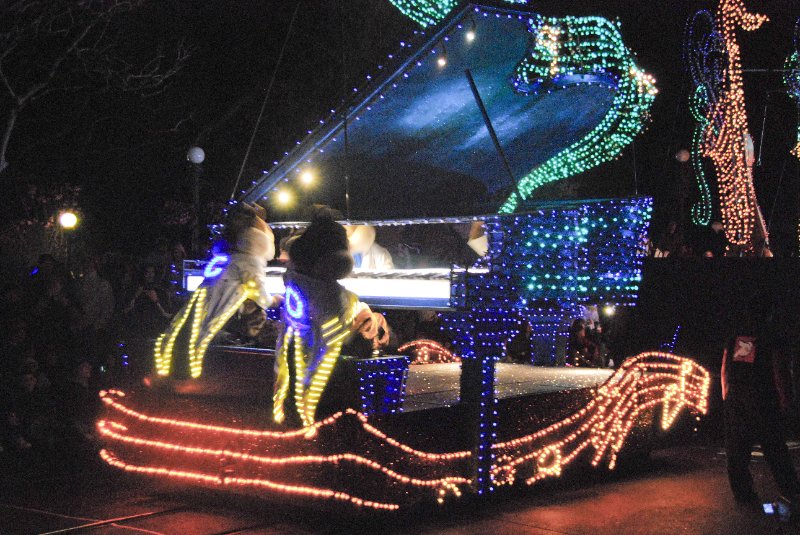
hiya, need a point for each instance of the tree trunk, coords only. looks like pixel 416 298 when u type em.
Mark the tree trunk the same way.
pixel 9 128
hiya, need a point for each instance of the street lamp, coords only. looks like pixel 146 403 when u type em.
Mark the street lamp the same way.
pixel 196 156
pixel 68 220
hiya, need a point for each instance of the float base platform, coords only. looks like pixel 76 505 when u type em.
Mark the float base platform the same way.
pixel 539 424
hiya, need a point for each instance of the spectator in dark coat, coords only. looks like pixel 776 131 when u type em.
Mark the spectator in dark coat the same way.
pixel 145 309
pixel 756 393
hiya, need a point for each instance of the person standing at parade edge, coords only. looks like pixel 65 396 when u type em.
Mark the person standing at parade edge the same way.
pixel 755 393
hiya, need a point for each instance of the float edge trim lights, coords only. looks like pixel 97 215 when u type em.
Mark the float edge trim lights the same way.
pixel 649 380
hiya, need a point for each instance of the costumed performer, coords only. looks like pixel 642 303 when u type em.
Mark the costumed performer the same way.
pixel 241 287
pixel 478 241
pixel 320 316
pixel 366 253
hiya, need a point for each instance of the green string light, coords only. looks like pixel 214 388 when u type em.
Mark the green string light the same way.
pixel 570 47
pixel 791 76
pixel 430 12
pixel 702 210
pixel 425 12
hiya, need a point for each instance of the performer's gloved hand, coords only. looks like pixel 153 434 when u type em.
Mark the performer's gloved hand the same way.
pixel 384 333
pixel 365 324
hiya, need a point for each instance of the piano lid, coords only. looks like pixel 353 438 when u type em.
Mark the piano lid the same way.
pixel 416 141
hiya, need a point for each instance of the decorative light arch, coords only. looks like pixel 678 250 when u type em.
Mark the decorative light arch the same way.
pixel 566 49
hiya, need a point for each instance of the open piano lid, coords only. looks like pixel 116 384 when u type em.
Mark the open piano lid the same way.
pixel 416 140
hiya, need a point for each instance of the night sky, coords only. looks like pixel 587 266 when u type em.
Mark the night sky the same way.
pixel 128 152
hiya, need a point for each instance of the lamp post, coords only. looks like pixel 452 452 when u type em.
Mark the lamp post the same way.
pixel 196 156
pixel 68 220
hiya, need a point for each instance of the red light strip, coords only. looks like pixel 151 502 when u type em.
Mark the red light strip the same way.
pixel 423 349
pixel 305 432
pixel 389 440
pixel 104 425
pixel 607 420
pixel 726 130
pixel 244 482
pixel 641 383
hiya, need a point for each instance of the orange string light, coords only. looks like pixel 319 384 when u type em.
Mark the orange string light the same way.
pixel 641 384
pixel 200 477
pixel 726 129
pixel 306 432
pixel 104 427
pixel 429 352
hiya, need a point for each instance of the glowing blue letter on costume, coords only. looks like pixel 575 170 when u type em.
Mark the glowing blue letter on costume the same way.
pixel 294 304
pixel 216 266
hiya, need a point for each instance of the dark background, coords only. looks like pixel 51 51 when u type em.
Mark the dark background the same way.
pixel 128 153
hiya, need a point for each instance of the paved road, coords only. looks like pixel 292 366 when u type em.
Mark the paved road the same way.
pixel 682 490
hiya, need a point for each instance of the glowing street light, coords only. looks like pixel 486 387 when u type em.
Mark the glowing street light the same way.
pixel 196 155
pixel 609 310
pixel 68 220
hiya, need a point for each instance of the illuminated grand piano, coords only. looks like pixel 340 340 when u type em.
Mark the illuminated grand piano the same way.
pixel 542 267
pixel 558 95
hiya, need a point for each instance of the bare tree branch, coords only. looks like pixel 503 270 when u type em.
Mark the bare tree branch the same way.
pixel 68 45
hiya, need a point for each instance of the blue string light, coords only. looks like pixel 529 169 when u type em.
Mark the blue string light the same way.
pixel 382 384
pixel 542 267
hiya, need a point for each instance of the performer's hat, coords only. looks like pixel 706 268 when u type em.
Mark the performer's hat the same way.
pixel 322 251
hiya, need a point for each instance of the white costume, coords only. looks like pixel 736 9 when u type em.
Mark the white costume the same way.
pixel 366 253
pixel 215 301
pixel 254 249
pixel 480 245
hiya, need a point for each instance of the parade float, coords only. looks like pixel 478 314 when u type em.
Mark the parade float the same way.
pixel 498 99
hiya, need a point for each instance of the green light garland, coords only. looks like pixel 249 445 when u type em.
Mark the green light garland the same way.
pixel 702 210
pixel 425 12
pixel 705 54
pixel 791 77
pixel 566 48
pixel 430 12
